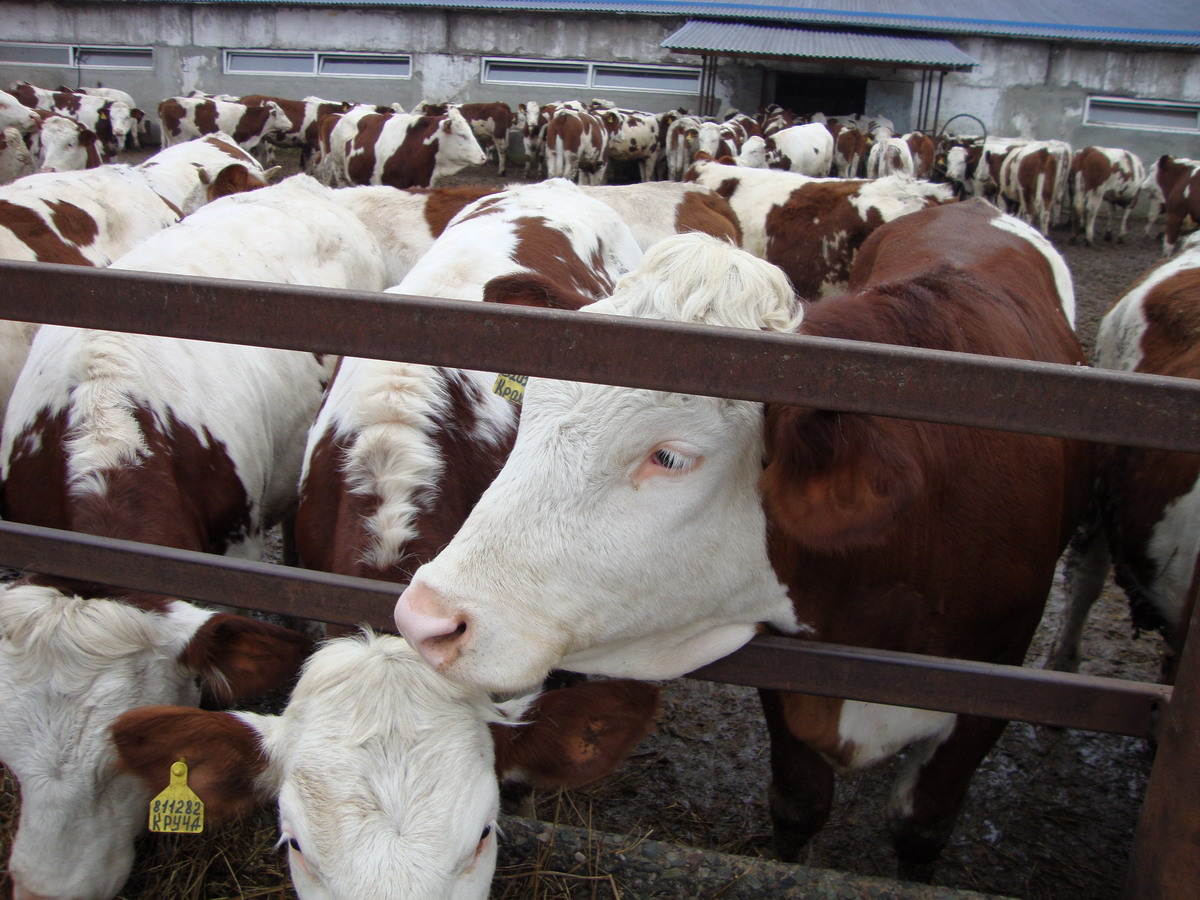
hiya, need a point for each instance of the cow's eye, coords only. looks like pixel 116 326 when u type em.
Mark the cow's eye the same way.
pixel 672 459
pixel 294 844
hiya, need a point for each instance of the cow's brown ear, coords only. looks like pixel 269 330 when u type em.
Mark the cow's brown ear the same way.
pixel 532 289
pixel 576 735
pixel 222 751
pixel 234 179
pixel 240 657
pixel 833 480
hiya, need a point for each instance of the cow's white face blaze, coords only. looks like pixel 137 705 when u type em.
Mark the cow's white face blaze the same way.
pixel 385 777
pixel 625 534
pixel 68 667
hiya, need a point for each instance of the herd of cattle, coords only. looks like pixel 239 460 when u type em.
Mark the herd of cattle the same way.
pixel 608 531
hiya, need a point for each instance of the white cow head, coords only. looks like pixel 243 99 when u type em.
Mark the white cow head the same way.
pixel 66 146
pixel 68 668
pixel 457 146
pixel 625 534
pixel 754 153
pixel 386 774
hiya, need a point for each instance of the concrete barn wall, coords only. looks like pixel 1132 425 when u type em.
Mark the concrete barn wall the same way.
pixel 1022 87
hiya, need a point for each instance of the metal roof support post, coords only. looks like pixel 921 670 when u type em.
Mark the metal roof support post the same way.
pixel 1165 864
pixel 708 85
pixel 937 109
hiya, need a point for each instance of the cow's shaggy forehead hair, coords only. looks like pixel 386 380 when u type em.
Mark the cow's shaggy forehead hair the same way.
pixel 57 637
pixel 410 751
pixel 697 278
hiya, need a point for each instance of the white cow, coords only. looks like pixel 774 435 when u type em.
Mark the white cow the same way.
pixel 15 113
pixel 890 156
pixel 385 774
pixel 805 149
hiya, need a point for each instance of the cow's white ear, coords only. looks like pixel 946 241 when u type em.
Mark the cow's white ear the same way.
pixel 272 172
pixel 446 126
pixel 202 173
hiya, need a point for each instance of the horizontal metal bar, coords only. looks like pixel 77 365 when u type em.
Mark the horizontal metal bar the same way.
pixel 906 679
pixel 954 388
pixel 1061 699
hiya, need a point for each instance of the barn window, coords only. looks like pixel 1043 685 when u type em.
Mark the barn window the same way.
pixel 114 57
pixel 342 65
pixel 1155 115
pixel 583 75
pixel 258 62
pixel 36 54
pixel 374 66
pixel 509 71
pixel 628 78
pixel 76 57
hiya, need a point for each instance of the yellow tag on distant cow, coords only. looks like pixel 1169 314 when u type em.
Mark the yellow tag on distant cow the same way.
pixel 177 810
pixel 511 387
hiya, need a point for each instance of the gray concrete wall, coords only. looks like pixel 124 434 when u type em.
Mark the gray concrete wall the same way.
pixel 1030 88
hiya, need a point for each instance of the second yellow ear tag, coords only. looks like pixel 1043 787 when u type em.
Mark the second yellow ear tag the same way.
pixel 511 387
pixel 177 810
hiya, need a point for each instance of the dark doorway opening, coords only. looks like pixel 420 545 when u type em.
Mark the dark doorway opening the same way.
pixel 833 95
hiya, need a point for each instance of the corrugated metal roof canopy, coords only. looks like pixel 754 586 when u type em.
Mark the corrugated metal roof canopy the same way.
pixel 1161 23
pixel 737 39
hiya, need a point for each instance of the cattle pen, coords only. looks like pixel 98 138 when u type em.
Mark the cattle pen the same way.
pixel 974 391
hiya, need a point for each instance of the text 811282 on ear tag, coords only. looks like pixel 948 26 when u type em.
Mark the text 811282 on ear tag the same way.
pixel 177 810
pixel 510 387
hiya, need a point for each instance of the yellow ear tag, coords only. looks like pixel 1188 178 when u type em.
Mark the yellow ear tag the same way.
pixel 177 810
pixel 511 387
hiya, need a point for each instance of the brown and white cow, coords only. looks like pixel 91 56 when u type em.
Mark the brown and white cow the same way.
pixel 185 118
pixel 577 144
pixel 643 533
pixel 850 153
pixel 15 159
pixel 804 149
pixel 1100 176
pixel 1163 175
pixel 1181 204
pixel 812 227
pixel 532 120
pixel 374 501
pixel 1033 181
pixel 90 218
pixel 923 150
pixel 681 145
pixel 1145 516
pixel 188 444
pixel 15 114
pixel 140 128
pixel 400 150
pixel 385 774
pixel 890 156
pixel 490 122
pixel 110 120
pixel 636 137
pixel 986 173
pixel 303 116
pixel 61 144
pixel 722 139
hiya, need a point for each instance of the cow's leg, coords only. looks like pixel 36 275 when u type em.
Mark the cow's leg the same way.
pixel 930 791
pixel 1171 229
pixel 1128 208
pixel 802 785
pixel 501 145
pixel 1085 568
pixel 1152 211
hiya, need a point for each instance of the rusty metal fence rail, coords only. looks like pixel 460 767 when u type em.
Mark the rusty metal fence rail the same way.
pixel 951 388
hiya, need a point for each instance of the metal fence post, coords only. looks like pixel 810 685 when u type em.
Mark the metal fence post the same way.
pixel 1165 862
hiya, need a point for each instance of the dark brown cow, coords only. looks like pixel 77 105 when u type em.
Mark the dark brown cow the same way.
pixel 1144 519
pixel 849 152
pixel 854 529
